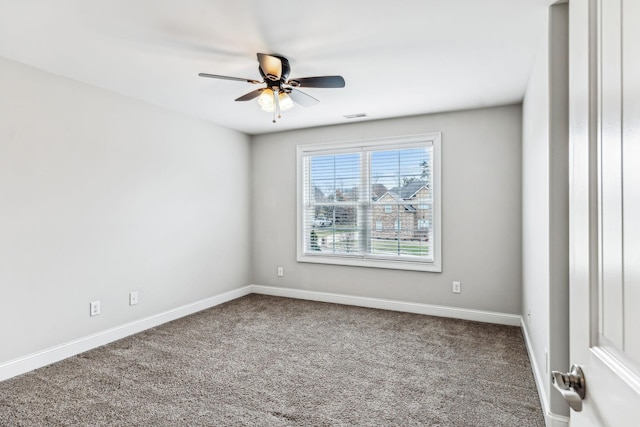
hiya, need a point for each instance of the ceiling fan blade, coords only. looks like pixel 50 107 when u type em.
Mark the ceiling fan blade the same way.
pixel 238 79
pixel 270 65
pixel 322 81
pixel 302 98
pixel 251 95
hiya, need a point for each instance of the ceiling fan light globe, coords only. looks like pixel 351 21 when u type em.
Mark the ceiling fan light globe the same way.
pixel 286 103
pixel 265 100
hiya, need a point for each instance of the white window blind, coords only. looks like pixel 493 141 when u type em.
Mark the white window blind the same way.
pixel 372 203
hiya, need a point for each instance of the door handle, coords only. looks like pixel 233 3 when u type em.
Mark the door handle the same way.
pixel 571 385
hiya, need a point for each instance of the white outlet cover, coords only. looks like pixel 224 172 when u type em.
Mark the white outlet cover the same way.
pixel 133 298
pixel 94 308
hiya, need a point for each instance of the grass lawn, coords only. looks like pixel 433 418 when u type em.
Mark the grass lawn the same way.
pixel 378 246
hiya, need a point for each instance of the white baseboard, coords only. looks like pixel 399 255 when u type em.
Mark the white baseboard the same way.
pixel 553 420
pixel 385 304
pixel 550 419
pixel 45 357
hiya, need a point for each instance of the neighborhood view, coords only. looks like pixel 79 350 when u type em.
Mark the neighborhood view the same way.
pixel 376 204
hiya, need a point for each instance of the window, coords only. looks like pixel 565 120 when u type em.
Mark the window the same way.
pixel 380 199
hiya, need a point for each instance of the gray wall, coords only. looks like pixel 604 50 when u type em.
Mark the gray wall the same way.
pixel 545 207
pixel 481 210
pixel 102 195
pixel 535 209
pixel 559 198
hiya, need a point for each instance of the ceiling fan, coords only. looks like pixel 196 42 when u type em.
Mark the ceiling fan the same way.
pixel 279 94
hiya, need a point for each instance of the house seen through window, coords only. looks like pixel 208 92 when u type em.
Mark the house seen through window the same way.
pixel 371 203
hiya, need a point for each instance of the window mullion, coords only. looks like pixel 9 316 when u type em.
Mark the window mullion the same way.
pixel 365 203
pixel 307 179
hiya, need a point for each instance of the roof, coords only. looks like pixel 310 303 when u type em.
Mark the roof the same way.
pixel 406 192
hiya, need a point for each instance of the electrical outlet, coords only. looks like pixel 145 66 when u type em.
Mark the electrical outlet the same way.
pixel 280 271
pixel 456 287
pixel 94 308
pixel 133 298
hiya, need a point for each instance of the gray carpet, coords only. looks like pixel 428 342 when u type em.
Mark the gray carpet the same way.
pixel 271 361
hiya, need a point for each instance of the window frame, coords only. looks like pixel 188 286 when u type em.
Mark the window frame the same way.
pixel 393 143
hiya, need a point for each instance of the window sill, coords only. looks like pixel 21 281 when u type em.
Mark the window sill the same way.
pixel 356 261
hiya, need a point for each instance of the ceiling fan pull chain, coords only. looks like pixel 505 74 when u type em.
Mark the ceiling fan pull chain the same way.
pixel 276 95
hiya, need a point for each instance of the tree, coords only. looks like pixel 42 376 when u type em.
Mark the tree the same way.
pixel 313 241
pixel 426 172
pixel 318 195
pixel 406 181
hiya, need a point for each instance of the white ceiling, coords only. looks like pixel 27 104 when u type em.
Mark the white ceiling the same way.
pixel 398 58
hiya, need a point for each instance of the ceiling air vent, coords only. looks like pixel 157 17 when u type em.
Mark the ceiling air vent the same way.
pixel 355 116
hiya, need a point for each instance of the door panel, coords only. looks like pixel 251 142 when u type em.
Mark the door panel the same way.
pixel 605 208
pixel 610 194
pixel 631 177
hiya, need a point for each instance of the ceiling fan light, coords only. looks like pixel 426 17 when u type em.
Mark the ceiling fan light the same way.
pixel 265 100
pixel 286 103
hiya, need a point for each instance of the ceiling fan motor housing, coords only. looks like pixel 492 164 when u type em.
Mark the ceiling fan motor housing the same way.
pixel 286 69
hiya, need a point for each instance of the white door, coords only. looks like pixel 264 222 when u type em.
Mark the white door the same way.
pixel 605 208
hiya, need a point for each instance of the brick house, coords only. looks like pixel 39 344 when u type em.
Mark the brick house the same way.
pixel 398 219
